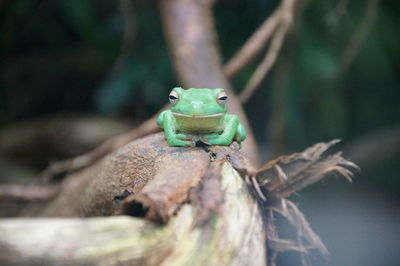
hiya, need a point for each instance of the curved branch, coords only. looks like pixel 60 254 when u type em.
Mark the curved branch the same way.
pixel 286 11
pixel 253 45
pixel 89 158
pixel 357 38
pixel 28 193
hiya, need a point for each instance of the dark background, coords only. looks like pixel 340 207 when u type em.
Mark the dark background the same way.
pixel 336 77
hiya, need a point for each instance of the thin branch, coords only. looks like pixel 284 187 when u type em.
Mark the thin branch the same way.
pixel 127 10
pixel 357 38
pixel 253 45
pixel 28 193
pixel 110 145
pixel 340 8
pixel 286 11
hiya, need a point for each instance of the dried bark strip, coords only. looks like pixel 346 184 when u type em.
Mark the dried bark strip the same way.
pixel 28 193
pixel 287 174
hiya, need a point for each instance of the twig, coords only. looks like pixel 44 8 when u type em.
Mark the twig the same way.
pixel 28 193
pixel 253 45
pixel 285 21
pixel 126 8
pixel 110 145
pixel 340 8
pixel 357 38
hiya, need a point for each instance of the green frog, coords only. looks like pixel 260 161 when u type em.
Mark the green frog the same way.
pixel 199 116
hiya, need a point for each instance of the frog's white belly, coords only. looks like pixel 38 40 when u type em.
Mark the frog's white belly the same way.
pixel 199 124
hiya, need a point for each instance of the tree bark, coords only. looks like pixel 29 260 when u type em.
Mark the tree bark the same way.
pixel 221 225
pixel 193 206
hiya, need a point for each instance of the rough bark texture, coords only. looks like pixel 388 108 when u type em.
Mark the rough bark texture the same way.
pixel 211 217
pixel 194 206
pixel 97 190
pixel 74 241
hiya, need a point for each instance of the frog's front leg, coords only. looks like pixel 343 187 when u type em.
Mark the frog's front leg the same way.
pixel 182 136
pixel 173 138
pixel 211 136
pixel 205 138
pixel 231 124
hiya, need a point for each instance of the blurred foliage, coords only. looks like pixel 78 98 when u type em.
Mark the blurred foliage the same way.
pixel 71 56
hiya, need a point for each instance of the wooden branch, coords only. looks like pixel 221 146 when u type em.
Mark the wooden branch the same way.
pixel 27 193
pixel 253 45
pixel 190 32
pixel 357 38
pixel 60 134
pixel 74 241
pixel 206 211
pixel 233 236
pixel 285 22
pixel 91 157
pixel 127 11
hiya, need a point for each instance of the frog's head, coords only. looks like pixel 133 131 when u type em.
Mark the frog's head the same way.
pixel 198 103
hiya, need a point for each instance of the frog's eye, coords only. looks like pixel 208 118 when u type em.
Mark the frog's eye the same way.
pixel 173 97
pixel 221 98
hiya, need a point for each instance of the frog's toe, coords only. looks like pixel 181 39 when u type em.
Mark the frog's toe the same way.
pixel 210 136
pixel 221 140
pixel 178 143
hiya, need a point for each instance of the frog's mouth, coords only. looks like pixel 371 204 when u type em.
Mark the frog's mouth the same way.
pixel 197 116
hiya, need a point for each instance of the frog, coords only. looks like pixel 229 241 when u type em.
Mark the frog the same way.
pixel 199 116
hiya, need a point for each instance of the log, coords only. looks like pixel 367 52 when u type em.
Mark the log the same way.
pixel 232 236
pixel 205 205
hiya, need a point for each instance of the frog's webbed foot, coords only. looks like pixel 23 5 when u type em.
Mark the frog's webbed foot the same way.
pixel 189 139
pixel 210 136
pixel 205 138
pixel 174 141
pixel 221 140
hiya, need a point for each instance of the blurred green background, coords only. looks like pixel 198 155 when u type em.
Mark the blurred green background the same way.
pixel 336 77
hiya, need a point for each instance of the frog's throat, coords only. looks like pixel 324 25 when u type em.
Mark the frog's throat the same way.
pixel 198 116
